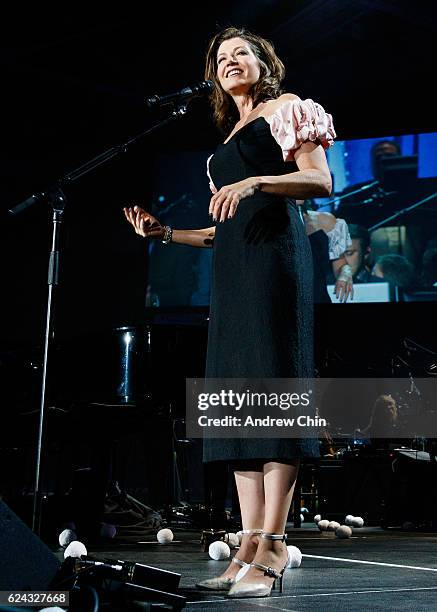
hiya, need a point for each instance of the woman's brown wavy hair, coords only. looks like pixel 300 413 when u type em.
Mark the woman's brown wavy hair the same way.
pixel 268 86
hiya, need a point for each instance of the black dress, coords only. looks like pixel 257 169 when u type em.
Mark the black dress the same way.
pixel 319 243
pixel 261 316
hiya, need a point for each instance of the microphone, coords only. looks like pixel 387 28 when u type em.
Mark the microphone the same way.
pixel 87 562
pixel 75 549
pixel 375 197
pixel 184 95
pixel 33 199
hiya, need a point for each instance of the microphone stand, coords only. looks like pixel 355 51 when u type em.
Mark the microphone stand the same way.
pixel 56 198
pixel 402 212
pixel 337 199
pixel 415 346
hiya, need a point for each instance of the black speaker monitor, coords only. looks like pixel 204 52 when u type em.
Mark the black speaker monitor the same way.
pixel 26 563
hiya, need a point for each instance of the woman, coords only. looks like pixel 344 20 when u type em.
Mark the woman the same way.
pixel 261 302
pixel 329 238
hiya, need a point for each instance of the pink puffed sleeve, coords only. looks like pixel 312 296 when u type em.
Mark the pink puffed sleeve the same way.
pixel 211 184
pixel 298 121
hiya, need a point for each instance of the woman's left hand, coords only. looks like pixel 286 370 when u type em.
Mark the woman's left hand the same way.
pixel 224 203
pixel 344 286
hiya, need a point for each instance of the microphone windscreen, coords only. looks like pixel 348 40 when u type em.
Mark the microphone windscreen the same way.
pixel 75 549
pixel 66 537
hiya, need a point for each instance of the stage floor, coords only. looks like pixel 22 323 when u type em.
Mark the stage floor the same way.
pixel 334 575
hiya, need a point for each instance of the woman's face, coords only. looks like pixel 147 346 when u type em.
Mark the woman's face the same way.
pixel 238 68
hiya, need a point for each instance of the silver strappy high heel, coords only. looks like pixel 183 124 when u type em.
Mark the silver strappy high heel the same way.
pixel 259 589
pixel 224 584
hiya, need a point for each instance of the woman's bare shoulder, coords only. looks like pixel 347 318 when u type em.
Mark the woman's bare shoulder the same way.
pixel 285 97
pixel 272 105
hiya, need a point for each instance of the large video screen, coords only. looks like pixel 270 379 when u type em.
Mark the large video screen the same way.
pixel 384 188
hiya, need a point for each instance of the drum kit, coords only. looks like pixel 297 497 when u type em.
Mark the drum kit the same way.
pixel 142 365
pixel 106 387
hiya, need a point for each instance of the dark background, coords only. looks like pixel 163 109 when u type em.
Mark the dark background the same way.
pixel 73 83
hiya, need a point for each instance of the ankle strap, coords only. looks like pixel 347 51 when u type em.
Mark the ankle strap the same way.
pixel 239 562
pixel 251 531
pixel 268 571
pixel 274 536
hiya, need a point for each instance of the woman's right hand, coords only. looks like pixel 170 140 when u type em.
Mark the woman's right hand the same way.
pixel 144 223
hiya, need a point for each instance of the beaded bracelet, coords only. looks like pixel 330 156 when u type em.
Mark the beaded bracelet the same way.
pixel 168 233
